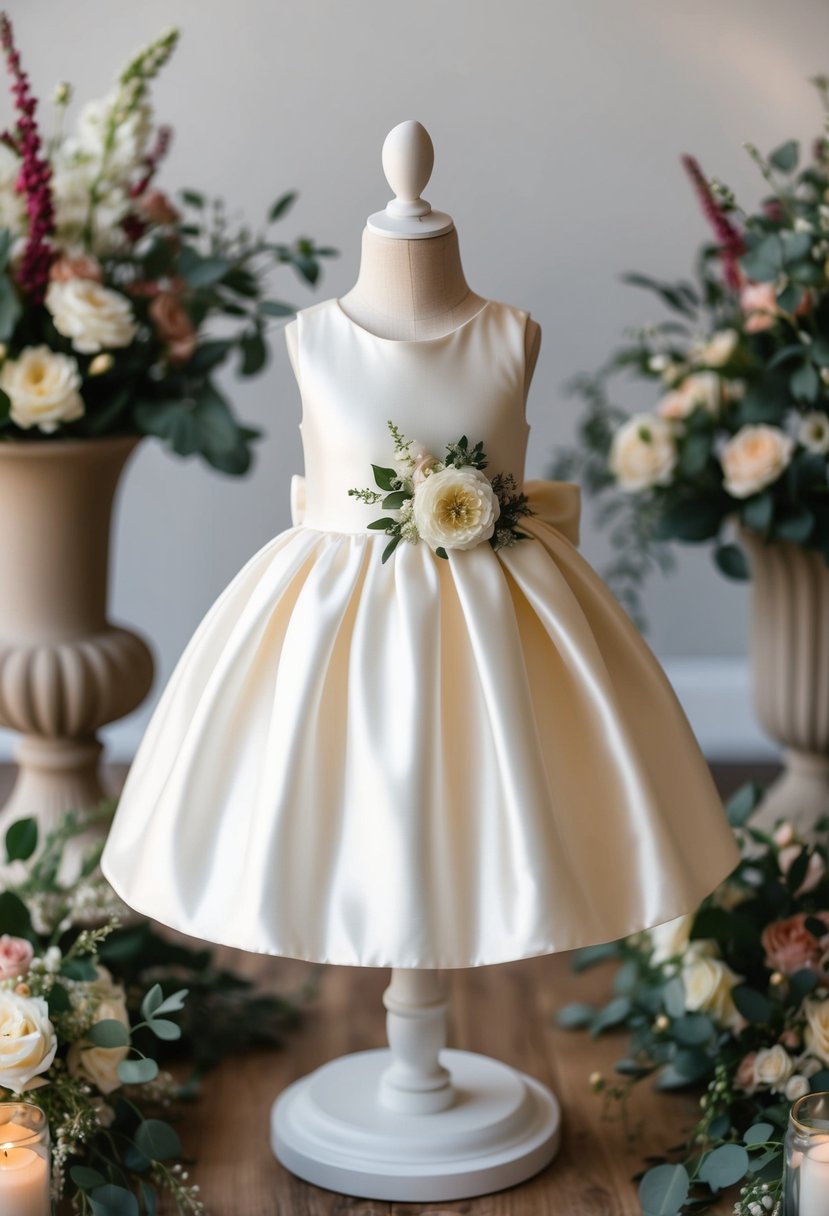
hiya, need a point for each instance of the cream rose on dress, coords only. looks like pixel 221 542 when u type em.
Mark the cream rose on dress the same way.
pixel 455 508
pixel 708 984
pixel 42 387
pixel 93 317
pixel 27 1041
pixel 100 1064
pixel 754 458
pixel 643 453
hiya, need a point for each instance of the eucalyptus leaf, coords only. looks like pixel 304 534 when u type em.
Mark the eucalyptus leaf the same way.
pixel 785 157
pixel 757 512
pixel 743 804
pixel 724 1166
pixel 151 1001
pixel 805 382
pixel 274 308
pixel 11 309
pixel 108 1033
pixel 254 353
pixel 753 1005
pixel 664 1189
pixel 85 1177
pixel 14 916
pixel 613 1014
pixel 174 1002
pixel 162 1028
pixel 279 208
pixel 759 1133
pixel 692 1029
pixel 137 1072
pixel 157 1140
pixel 589 956
pixel 575 1016
pixel 113 1200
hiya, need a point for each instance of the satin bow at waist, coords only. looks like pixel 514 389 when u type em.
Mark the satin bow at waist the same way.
pixel 555 503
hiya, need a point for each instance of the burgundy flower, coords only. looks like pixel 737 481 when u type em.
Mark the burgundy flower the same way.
pixel 35 176
pixel 730 239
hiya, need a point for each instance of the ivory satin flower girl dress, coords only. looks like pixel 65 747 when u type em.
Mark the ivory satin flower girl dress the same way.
pixel 423 762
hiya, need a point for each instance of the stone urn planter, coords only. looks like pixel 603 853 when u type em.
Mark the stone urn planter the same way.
pixel 790 665
pixel 65 670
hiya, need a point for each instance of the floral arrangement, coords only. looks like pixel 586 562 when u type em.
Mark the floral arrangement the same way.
pixel 89 1008
pixel 740 429
pixel 110 295
pixel 734 999
pixel 449 503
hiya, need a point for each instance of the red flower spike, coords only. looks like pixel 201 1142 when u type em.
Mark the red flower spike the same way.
pixel 732 246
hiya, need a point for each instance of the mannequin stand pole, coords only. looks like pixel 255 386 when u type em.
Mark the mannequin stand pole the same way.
pixel 415 1122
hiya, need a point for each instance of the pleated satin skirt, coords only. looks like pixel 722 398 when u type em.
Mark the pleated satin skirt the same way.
pixel 425 763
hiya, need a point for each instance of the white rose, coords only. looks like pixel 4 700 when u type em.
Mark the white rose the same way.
pixel 708 983
pixel 773 1067
pixel 455 508
pixel 27 1040
pixel 816 1034
pixel 670 940
pixel 796 1087
pixel 42 387
pixel 100 1064
pixel 813 432
pixel 94 317
pixel 702 390
pixel 754 458
pixel 643 453
pixel 719 348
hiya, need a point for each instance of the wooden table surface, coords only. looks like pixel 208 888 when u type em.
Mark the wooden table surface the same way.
pixel 506 1011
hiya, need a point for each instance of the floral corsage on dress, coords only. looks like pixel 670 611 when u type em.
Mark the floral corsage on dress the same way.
pixel 449 503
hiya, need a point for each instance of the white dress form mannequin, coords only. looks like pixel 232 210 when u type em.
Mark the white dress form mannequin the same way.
pixel 415 1122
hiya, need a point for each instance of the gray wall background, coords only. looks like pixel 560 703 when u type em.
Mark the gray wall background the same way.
pixel 558 128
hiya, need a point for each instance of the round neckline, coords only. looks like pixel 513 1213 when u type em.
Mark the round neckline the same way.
pixel 410 341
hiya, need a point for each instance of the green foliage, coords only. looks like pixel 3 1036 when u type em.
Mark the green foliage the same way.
pixel 721 363
pixel 21 840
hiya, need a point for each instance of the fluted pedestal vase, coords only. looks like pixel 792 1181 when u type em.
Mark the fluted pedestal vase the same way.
pixel 790 661
pixel 65 671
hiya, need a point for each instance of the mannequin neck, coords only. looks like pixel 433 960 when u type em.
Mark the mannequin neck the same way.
pixel 410 289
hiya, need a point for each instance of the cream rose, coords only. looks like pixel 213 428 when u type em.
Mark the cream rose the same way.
pixel 772 1067
pixel 796 1087
pixel 718 349
pixel 27 1040
pixel 754 458
pixel 670 940
pixel 94 317
pixel 816 1034
pixel 708 984
pixel 455 508
pixel 702 390
pixel 100 1064
pixel 643 453
pixel 42 387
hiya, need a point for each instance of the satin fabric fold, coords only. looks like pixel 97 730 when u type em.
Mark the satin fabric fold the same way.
pixel 422 763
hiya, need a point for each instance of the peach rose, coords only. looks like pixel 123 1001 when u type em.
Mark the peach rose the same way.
pixel 789 946
pixel 759 303
pixel 81 266
pixel 754 458
pixel 156 206
pixel 15 957
pixel 173 326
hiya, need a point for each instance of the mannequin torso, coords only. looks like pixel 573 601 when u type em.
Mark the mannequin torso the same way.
pixel 412 290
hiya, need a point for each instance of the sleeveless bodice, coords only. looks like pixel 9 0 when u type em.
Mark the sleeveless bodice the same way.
pixel 468 382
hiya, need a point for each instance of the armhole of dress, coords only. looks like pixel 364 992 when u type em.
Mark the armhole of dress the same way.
pixel 296 364
pixel 525 379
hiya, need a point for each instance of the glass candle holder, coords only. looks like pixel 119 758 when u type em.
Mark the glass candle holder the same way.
pixel 807 1157
pixel 25 1187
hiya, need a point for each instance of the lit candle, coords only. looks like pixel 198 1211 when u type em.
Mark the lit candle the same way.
pixel 24 1174
pixel 814 1181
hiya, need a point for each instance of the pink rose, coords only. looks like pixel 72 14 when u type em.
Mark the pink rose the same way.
pixel 174 327
pixel 156 206
pixel 423 467
pixel 759 302
pixel 81 267
pixel 789 945
pixel 744 1077
pixel 15 957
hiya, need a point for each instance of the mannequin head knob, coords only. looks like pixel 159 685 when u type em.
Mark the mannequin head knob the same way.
pixel 408 160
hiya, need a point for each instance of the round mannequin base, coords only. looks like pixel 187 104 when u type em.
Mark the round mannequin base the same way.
pixel 330 1129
